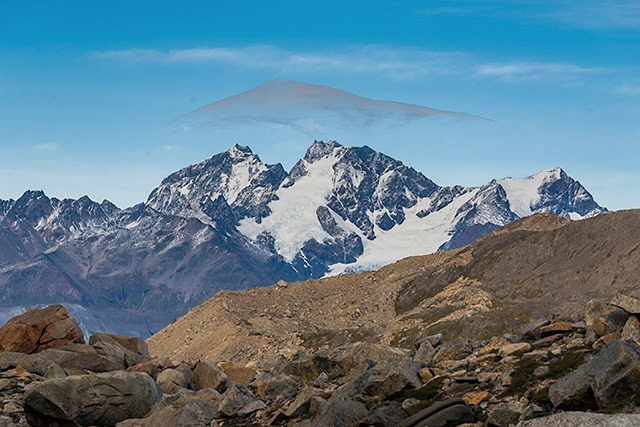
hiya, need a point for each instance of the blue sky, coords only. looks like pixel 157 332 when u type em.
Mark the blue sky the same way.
pixel 90 91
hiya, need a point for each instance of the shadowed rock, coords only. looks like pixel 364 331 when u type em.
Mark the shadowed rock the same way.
pixel 613 375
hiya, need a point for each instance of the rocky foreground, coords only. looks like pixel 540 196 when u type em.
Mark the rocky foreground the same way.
pixel 570 373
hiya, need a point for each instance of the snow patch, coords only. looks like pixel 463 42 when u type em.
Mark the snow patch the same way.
pixel 415 236
pixel 293 220
pixel 522 193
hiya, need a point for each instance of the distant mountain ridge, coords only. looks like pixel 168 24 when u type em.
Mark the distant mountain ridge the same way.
pixel 235 222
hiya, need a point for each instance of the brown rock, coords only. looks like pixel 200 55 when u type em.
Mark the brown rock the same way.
pixel 152 367
pixel 40 329
pixel 134 344
pixel 631 330
pixel 512 349
pixel 476 397
pixel 205 375
pixel 425 375
pixel 547 341
pixel 629 304
pixel 494 345
pixel 238 374
pixel 481 360
pixel 555 328
pixel 171 380
pixel 602 341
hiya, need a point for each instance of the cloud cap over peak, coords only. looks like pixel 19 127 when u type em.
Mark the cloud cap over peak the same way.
pixel 290 103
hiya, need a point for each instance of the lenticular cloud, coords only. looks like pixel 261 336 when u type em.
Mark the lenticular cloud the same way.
pixel 305 105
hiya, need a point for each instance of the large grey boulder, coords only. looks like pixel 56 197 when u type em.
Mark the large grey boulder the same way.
pixel 133 349
pixel 103 357
pixel 90 400
pixel 135 345
pixel 583 419
pixel 612 375
pixel 34 363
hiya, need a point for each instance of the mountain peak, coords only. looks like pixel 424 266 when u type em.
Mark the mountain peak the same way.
pixel 239 151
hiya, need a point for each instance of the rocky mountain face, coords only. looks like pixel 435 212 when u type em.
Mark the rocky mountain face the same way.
pixel 234 222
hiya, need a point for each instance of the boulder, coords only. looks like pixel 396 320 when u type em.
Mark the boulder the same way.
pixel 272 387
pixel 206 375
pixel 495 344
pixel 152 367
pixel 300 406
pixel 456 349
pixel 183 409
pixel 425 352
pixel 631 330
pixel 90 400
pixel 449 412
pixel 238 374
pixel 606 339
pixel 171 381
pixel 532 329
pixel 556 328
pixel 339 413
pixel 81 356
pixel 476 397
pixel 339 362
pixel 33 363
pixel 135 345
pixel 385 414
pixel 40 329
pixel 514 349
pixel 629 304
pixel 386 381
pixel 107 342
pixel 603 318
pixel 504 414
pixel 583 419
pixel 612 375
pixel 235 399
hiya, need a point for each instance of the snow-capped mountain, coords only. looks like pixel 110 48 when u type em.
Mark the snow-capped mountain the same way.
pixel 234 222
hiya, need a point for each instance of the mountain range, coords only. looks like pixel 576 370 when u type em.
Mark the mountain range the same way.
pixel 234 222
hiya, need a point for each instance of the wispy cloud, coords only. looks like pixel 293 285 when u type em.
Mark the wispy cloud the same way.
pixel 596 13
pixel 629 89
pixel 48 147
pixel 533 71
pixel 394 63
pixel 384 61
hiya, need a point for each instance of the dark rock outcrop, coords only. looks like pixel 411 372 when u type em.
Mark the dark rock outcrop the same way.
pixel 612 375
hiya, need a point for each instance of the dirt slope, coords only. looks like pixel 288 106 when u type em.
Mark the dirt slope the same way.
pixel 541 266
